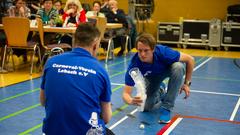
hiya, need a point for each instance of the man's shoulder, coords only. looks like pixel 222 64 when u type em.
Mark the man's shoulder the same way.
pixel 162 48
pixel 135 60
pixel 135 57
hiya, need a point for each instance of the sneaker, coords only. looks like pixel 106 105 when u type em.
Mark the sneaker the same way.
pixel 165 116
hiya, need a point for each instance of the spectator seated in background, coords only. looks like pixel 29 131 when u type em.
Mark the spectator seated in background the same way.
pixel 104 7
pixel 73 15
pixel 48 14
pixel 20 10
pixel 58 6
pixel 95 11
pixel 116 15
pixel 36 5
pixel 60 11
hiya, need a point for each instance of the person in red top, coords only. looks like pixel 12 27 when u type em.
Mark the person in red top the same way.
pixel 73 14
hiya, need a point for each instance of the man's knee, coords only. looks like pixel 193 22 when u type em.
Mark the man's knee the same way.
pixel 178 67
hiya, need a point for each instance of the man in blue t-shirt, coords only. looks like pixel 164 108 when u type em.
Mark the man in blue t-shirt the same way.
pixel 76 89
pixel 156 63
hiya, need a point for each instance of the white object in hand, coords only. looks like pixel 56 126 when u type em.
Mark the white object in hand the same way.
pixel 140 86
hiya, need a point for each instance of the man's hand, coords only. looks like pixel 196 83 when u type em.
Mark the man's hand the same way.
pixel 186 89
pixel 136 101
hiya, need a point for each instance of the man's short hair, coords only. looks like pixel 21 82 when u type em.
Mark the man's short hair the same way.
pixel 85 35
pixel 47 0
pixel 147 39
pixel 98 2
pixel 58 1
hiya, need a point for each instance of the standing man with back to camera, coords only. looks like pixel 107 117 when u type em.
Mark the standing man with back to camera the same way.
pixel 76 90
pixel 156 63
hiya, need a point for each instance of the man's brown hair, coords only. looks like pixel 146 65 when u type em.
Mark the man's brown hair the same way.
pixel 85 35
pixel 147 39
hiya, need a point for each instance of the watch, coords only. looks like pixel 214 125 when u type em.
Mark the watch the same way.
pixel 188 83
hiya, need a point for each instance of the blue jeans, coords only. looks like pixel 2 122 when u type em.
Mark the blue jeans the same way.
pixel 154 98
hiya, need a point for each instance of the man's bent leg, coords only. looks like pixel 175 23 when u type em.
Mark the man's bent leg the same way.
pixel 153 94
pixel 177 71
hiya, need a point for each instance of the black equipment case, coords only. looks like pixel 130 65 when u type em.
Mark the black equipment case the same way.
pixel 230 35
pixel 195 32
pixel 168 32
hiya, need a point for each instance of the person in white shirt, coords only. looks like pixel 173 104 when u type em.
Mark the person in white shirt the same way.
pixel 95 11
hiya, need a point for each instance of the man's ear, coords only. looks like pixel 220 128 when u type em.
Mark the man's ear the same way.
pixel 94 47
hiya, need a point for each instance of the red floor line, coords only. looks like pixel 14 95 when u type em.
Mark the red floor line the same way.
pixel 168 125
pixel 210 119
pixel 164 129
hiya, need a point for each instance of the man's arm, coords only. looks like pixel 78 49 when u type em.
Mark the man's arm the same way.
pixel 189 60
pixel 106 111
pixel 42 97
pixel 127 96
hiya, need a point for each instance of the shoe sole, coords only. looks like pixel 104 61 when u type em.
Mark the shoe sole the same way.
pixel 164 122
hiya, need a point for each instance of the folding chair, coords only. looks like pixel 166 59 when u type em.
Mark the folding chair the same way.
pixel 48 48
pixel 16 30
pixel 101 25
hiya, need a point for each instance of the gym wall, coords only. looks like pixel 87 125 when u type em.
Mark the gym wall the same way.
pixel 172 10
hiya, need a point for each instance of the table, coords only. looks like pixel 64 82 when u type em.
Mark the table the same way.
pixel 68 29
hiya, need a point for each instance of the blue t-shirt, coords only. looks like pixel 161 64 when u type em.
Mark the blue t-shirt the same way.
pixel 74 84
pixel 163 58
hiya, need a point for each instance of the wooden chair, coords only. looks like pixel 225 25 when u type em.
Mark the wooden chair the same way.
pixel 101 25
pixel 48 48
pixel 16 30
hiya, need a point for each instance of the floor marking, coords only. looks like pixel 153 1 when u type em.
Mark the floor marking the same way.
pixel 121 120
pixel 125 117
pixel 120 108
pixel 209 119
pixel 120 62
pixel 197 67
pixel 20 94
pixel 31 129
pixel 175 123
pixel 120 84
pixel 216 78
pixel 40 125
pixel 116 74
pixel 19 112
pixel 235 110
pixel 165 128
pixel 216 93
